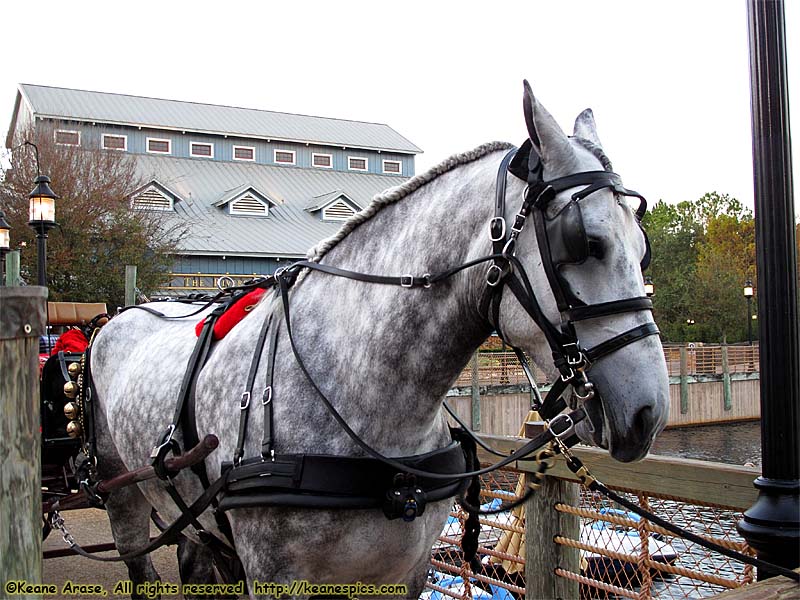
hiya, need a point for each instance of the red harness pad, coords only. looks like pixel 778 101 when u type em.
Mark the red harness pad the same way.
pixel 233 315
pixel 72 340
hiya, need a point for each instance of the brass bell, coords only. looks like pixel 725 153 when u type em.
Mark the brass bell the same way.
pixel 74 429
pixel 74 369
pixel 71 410
pixel 70 389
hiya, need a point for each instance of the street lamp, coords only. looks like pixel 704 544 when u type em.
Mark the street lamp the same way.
pixel 42 218
pixel 748 294
pixel 5 245
pixel 649 287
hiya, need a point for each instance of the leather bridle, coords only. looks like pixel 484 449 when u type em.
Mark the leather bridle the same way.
pixel 558 243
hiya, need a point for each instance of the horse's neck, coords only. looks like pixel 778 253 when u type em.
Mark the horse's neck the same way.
pixel 404 345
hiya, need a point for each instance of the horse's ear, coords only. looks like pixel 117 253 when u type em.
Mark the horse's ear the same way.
pixel 549 140
pixel 586 128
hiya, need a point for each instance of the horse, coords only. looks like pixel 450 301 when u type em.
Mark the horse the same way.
pixel 384 356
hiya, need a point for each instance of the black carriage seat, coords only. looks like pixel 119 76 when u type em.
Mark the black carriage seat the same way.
pixel 57 446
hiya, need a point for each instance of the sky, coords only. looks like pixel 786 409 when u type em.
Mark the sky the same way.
pixel 668 81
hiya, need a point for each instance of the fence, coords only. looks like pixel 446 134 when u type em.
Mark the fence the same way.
pixel 502 368
pixel 596 548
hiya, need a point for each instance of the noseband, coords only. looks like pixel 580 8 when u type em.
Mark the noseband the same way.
pixel 562 240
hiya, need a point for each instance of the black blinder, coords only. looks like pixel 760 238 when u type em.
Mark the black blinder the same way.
pixel 567 236
pixel 646 258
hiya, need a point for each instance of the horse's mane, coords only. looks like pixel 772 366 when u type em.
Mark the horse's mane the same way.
pixel 399 192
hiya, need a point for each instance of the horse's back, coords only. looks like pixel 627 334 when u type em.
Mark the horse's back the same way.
pixel 137 364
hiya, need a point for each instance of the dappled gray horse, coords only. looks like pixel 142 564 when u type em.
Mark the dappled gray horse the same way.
pixel 385 357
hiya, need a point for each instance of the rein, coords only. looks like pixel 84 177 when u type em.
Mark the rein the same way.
pixel 407 495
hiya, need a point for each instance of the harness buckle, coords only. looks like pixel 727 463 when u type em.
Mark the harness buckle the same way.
pixel 427 278
pixel 244 403
pixel 407 281
pixel 493 280
pixel 519 223
pixel 492 228
pixel 267 397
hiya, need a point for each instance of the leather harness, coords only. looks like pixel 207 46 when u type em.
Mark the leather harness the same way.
pixel 400 486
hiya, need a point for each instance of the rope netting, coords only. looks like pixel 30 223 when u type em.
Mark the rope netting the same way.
pixel 621 555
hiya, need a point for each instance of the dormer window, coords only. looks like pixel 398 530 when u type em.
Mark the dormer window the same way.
pixel 337 211
pixel 201 149
pixel 152 198
pixel 355 163
pixel 67 138
pixel 393 167
pixel 285 157
pixel 333 206
pixel 159 146
pixel 248 204
pixel 245 201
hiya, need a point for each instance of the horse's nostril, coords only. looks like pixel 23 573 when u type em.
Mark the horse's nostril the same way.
pixel 643 423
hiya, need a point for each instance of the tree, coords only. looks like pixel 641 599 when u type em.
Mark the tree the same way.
pixel 726 258
pixel 98 233
pixel 674 236
pixel 703 251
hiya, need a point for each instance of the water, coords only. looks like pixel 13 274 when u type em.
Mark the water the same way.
pixel 732 443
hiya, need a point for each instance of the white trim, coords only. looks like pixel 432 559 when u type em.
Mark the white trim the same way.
pixel 399 167
pixel 57 131
pixel 154 187
pixel 149 139
pixel 327 217
pixel 116 135
pixel 248 192
pixel 315 154
pixel 191 143
pixel 253 148
pixel 364 158
pixel 275 157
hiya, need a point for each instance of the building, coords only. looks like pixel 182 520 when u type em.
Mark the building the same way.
pixel 255 188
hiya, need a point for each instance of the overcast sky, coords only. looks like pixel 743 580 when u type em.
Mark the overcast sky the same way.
pixel 668 80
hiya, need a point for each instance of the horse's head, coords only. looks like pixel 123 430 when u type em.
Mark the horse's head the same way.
pixel 594 254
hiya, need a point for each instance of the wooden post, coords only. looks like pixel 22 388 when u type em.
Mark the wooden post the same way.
pixel 476 396
pixel 542 555
pixel 684 381
pixel 130 285
pixel 22 321
pixel 726 380
pixel 12 268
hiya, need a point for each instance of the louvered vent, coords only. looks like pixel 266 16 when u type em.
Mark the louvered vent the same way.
pixel 338 211
pixel 248 205
pixel 152 199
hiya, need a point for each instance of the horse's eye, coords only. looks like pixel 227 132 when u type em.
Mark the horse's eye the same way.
pixel 596 249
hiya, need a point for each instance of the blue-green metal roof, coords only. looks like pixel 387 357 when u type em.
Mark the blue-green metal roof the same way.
pixel 289 230
pixel 120 109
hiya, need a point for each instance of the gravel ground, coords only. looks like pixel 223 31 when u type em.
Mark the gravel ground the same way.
pixel 90 526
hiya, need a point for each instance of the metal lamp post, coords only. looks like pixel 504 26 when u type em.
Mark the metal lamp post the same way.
pixel 748 294
pixel 5 245
pixel 649 287
pixel 42 218
pixel 772 525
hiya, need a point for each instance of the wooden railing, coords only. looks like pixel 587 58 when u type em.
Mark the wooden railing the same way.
pixel 502 368
pixel 704 497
